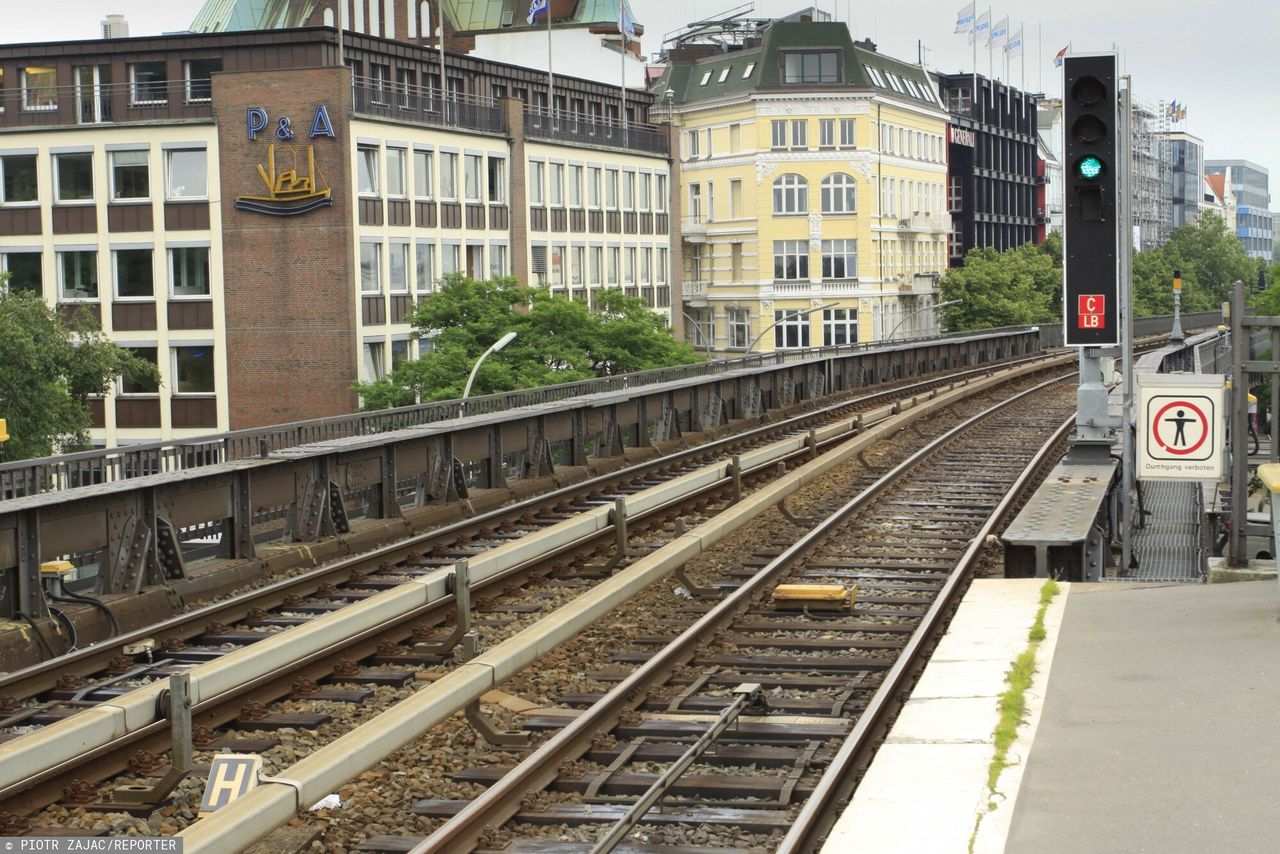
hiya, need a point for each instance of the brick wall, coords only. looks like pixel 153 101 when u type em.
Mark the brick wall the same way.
pixel 290 300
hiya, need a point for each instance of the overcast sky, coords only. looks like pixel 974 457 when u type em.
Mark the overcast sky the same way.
pixel 1217 58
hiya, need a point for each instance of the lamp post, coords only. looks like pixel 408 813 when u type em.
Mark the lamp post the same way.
pixel 789 315
pixel 912 314
pixel 697 330
pixel 493 348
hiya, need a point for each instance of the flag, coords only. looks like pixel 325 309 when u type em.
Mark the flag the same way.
pixel 1173 110
pixel 964 19
pixel 981 24
pixel 536 8
pixel 626 23
pixel 1014 46
pixel 999 33
pixel 1182 113
pixel 1057 60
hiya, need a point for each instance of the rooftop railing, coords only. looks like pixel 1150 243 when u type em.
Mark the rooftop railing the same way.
pixel 565 126
pixel 106 103
pixel 424 105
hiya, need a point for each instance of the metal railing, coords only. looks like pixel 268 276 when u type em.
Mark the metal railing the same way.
pixel 564 126
pixel 106 103
pixel 51 474
pixel 383 99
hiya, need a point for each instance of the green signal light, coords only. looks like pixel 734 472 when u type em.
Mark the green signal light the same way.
pixel 1089 167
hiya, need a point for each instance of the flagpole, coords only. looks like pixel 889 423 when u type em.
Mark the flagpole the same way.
pixel 623 116
pixel 1022 54
pixel 551 77
pixel 1040 56
pixel 444 81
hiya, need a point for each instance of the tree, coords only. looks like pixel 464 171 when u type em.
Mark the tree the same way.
pixel 557 340
pixel 1017 286
pixel 48 369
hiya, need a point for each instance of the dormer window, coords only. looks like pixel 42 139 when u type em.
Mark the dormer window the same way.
pixel 819 66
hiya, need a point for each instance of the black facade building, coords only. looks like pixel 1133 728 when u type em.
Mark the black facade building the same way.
pixel 995 180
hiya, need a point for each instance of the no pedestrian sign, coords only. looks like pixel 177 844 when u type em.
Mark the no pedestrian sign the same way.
pixel 1180 432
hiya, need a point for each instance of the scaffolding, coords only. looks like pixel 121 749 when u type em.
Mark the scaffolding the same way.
pixel 1152 174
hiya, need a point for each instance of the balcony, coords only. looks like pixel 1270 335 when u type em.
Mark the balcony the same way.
pixel 811 290
pixel 375 98
pixel 563 126
pixel 110 103
pixel 924 223
pixel 695 289
pixel 693 227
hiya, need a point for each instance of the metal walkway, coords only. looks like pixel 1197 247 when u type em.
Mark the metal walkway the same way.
pixel 1167 548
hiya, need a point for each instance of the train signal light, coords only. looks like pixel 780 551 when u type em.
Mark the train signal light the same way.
pixel 1091 297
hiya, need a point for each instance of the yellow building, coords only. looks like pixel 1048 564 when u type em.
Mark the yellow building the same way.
pixel 813 175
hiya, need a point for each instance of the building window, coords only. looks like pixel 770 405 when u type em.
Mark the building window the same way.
pixel 24 271
pixel 643 192
pixel 846 133
pixel 693 138
pixel 375 360
pixel 189 271
pixel 799 133
pixel 791 259
pixel 955 194
pixel 629 267
pixel 497 180
pixel 839 194
pixel 536 196
pixel 615 257
pixel 199 86
pixel 422 179
pixel 597 263
pixel 450 258
pixel 575 186
pixel 193 370
pixel 130 176
pixel 811 67
pixel 398 264
pixel 739 321
pixel 367 164
pixel 18 179
pixel 472 168
pixel 498 260
pixel 779 133
pixel 791 330
pixel 78 274
pixel 790 194
pixel 646 266
pixel 695 202
pixel 839 326
pixel 840 259
pixel 660 269
pixel 399 352
pixel 746 72
pixel 555 190
pixel 130 384
pixel 371 268
pixel 826 133
pixel 557 265
pixel 660 193
pixel 73 176
pixel 425 259
pixel 149 82
pixel 395 172
pixel 593 187
pixel 39 88
pixel 188 174
pixel 628 191
pixel 576 259
pixel 611 189
pixel 133 274
pixel 449 176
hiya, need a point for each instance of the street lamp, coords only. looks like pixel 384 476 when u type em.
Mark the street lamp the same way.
pixel 912 314
pixel 697 332
pixel 789 315
pixel 493 348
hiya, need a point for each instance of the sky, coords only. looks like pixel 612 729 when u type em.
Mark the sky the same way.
pixel 1217 58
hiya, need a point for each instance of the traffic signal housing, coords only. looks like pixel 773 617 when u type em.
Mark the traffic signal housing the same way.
pixel 1091 311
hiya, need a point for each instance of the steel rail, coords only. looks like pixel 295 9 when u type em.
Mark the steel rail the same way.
pixel 841 777
pixel 502 800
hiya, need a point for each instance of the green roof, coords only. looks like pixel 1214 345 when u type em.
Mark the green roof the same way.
pixel 759 68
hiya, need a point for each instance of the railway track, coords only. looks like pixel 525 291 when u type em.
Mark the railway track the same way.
pixel 891 599
pixel 54 694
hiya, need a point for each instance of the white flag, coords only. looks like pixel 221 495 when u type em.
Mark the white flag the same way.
pixel 964 19
pixel 981 24
pixel 1014 46
pixel 1000 32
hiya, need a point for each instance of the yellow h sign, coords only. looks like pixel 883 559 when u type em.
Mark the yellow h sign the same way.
pixel 230 776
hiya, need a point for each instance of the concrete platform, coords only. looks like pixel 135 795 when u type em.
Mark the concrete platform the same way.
pixel 1153 725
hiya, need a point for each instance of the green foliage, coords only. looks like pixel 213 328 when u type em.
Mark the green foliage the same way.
pixel 557 340
pixel 1024 285
pixel 48 369
pixel 1017 286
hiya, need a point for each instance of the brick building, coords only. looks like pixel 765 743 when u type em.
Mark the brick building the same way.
pixel 258 213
